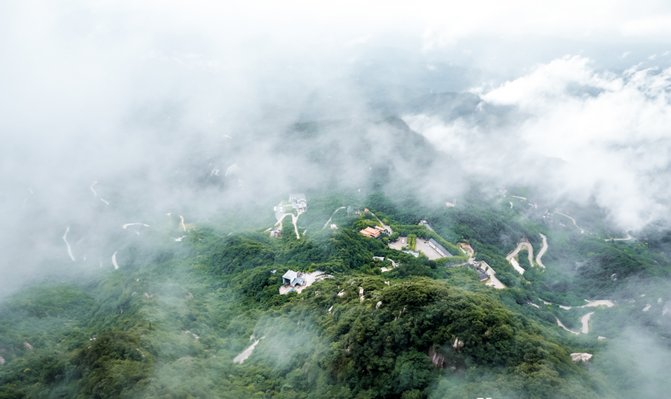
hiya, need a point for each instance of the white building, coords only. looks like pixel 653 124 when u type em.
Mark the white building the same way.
pixel 293 278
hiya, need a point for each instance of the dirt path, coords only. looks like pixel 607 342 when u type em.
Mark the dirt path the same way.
pixel 512 257
pixel 582 231
pixel 585 319
pixel 385 269
pixel 589 304
pixel 280 220
pixel 328 222
pixel 127 225
pixel 544 249
pixel 92 187
pixel 560 324
pixel 599 302
pixel 244 355
pixel 294 222
pixel 278 224
pixel 67 244
pixel 629 237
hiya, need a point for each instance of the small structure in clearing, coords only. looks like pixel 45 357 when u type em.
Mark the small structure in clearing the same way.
pixel 292 278
pixel 293 281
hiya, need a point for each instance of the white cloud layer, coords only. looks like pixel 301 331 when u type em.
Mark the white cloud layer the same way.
pixel 610 133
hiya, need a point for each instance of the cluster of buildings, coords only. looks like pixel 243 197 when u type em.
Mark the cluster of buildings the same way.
pixel 298 202
pixel 482 268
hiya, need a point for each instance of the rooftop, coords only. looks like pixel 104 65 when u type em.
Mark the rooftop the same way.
pixel 290 275
pixel 439 247
pixel 370 232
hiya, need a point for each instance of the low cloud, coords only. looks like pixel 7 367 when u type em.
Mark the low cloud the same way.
pixel 579 133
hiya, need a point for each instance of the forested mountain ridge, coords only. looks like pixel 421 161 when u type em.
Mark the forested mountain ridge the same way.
pixel 172 321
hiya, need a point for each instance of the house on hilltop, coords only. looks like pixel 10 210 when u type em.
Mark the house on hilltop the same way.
pixel 293 281
pixel 292 278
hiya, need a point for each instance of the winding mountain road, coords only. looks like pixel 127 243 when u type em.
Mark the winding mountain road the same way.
pixel 572 219
pixel 544 249
pixel 628 237
pixel 332 215
pixel 294 222
pixel 67 244
pixel 560 324
pixel 127 225
pixel 512 257
pixel 585 322
pixel 92 187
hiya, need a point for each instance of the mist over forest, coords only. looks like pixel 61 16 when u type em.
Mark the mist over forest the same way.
pixel 155 155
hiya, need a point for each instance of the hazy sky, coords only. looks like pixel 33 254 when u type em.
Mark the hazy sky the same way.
pixel 146 98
